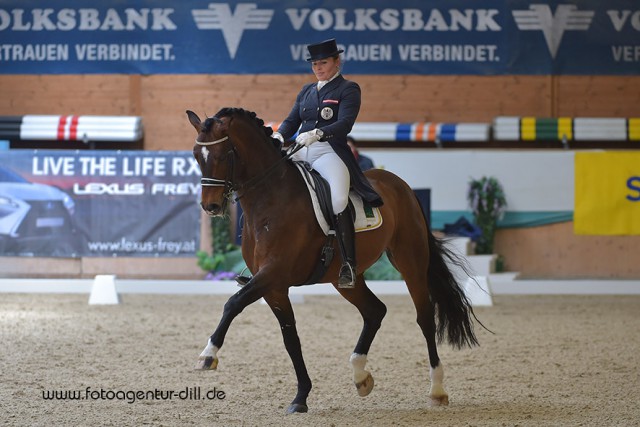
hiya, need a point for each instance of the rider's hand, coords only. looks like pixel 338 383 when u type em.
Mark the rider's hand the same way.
pixel 278 136
pixel 308 138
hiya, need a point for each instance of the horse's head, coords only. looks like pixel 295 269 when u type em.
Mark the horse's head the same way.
pixel 215 154
pixel 235 152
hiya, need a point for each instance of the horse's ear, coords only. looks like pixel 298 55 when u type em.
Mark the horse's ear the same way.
pixel 194 120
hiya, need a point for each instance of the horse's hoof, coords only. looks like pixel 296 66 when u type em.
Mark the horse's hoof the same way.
pixel 365 387
pixel 295 408
pixel 439 400
pixel 206 363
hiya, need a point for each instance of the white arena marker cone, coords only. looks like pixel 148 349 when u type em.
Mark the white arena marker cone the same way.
pixel 478 291
pixel 103 291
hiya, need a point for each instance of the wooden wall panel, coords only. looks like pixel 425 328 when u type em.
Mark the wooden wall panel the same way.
pixel 385 99
pixel 162 99
pixel 77 94
pixel 553 251
pixel 165 99
pixel 598 96
pixel 452 98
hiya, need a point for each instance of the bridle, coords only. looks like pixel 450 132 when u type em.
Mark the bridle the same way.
pixel 212 182
pixel 229 186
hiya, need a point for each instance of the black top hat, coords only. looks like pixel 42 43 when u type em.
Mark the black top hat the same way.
pixel 322 50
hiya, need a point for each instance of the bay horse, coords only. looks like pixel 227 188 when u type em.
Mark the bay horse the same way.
pixel 281 243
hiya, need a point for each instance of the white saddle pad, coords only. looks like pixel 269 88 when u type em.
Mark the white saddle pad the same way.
pixel 362 222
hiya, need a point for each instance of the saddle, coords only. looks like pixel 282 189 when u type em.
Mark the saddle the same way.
pixel 366 217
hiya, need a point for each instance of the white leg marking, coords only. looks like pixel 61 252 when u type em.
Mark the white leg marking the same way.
pixel 437 374
pixel 209 351
pixel 437 378
pixel 358 361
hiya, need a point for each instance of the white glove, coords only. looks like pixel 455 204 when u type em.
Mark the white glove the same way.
pixel 278 136
pixel 308 138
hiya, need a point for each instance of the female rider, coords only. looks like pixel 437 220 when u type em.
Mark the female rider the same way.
pixel 323 114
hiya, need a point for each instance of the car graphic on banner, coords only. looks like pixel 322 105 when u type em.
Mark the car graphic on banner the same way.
pixel 34 218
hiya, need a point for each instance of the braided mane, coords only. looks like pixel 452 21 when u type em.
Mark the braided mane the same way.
pixel 231 111
pixel 250 115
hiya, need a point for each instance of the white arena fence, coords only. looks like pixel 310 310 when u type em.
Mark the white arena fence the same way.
pixel 504 128
pixel 509 128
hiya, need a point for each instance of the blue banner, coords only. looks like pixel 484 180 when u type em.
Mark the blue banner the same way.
pixel 64 203
pixel 492 37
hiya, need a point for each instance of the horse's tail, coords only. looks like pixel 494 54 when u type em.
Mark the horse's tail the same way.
pixel 453 310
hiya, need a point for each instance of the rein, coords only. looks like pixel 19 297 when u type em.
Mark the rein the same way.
pixel 230 188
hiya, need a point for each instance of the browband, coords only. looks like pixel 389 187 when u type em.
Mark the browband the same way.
pixel 217 141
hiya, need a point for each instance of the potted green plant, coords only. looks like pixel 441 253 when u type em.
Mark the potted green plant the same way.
pixel 225 261
pixel 487 202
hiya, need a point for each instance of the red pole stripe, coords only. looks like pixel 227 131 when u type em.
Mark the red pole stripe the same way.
pixel 61 125
pixel 73 130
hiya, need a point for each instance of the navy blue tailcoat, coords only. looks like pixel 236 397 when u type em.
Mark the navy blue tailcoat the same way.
pixel 332 109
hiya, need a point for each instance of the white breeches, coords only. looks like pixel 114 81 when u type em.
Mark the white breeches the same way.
pixel 323 159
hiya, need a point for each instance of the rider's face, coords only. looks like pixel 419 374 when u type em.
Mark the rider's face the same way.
pixel 325 68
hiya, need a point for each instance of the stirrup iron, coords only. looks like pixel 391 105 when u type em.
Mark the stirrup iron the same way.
pixel 346 277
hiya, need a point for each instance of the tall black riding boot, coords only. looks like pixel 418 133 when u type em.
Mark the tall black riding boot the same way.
pixel 346 241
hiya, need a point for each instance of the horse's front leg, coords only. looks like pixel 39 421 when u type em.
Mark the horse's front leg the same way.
pixel 281 307
pixel 249 294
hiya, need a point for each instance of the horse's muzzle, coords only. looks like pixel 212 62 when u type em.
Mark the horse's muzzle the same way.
pixel 212 209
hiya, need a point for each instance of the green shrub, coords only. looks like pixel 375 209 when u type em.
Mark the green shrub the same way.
pixel 487 201
pixel 225 257
pixel 382 270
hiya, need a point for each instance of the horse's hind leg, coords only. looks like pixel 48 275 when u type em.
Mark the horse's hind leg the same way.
pixel 373 311
pixel 414 272
pixel 426 320
pixel 281 307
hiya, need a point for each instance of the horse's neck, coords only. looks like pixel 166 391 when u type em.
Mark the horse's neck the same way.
pixel 257 162
pixel 269 184
pixel 275 194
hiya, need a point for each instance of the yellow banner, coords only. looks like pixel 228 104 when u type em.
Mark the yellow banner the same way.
pixel 607 193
